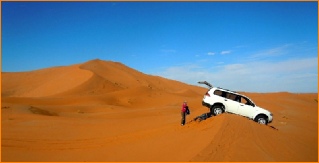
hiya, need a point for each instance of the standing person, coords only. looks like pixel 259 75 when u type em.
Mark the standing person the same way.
pixel 183 113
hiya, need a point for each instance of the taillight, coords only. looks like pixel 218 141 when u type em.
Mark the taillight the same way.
pixel 207 94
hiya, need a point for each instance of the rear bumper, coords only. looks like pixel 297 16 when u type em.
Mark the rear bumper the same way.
pixel 205 104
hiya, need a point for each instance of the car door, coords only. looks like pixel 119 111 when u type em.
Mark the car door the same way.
pixel 246 107
pixel 231 103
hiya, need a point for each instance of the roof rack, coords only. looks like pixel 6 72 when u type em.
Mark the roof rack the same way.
pixel 211 86
pixel 227 90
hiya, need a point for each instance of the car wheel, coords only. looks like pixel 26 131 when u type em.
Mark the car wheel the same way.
pixel 261 119
pixel 217 109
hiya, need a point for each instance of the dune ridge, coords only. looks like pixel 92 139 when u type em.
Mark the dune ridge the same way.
pixel 44 82
pixel 105 111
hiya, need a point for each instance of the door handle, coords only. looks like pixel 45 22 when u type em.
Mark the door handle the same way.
pixel 225 99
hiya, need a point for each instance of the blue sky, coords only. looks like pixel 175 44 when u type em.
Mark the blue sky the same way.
pixel 243 46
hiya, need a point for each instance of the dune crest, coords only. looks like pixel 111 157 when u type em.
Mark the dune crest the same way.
pixel 93 77
pixel 44 82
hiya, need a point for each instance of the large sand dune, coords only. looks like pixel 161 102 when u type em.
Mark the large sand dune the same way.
pixel 106 111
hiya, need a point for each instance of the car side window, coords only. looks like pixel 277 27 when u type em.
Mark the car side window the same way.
pixel 243 100
pixel 231 96
pixel 246 101
pixel 220 93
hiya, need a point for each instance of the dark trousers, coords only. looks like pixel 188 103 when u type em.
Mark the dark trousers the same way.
pixel 183 118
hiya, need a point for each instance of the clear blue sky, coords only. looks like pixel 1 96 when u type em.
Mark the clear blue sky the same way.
pixel 244 46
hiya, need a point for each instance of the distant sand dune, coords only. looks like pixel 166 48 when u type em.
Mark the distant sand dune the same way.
pixel 106 111
pixel 43 82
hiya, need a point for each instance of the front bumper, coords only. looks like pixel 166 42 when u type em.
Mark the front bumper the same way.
pixel 270 118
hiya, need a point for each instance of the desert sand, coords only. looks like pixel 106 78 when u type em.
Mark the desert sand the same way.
pixel 106 111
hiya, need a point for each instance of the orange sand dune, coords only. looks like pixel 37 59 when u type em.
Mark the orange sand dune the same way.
pixel 105 111
pixel 43 82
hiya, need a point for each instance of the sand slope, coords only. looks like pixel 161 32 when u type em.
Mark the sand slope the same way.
pixel 43 82
pixel 106 111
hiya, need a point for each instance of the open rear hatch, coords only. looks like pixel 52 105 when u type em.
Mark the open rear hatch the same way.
pixel 206 83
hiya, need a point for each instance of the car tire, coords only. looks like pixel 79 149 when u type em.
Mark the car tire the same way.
pixel 217 109
pixel 261 119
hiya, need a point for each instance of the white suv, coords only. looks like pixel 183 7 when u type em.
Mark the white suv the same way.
pixel 220 100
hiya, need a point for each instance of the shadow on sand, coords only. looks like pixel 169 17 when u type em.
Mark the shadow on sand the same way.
pixel 203 117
